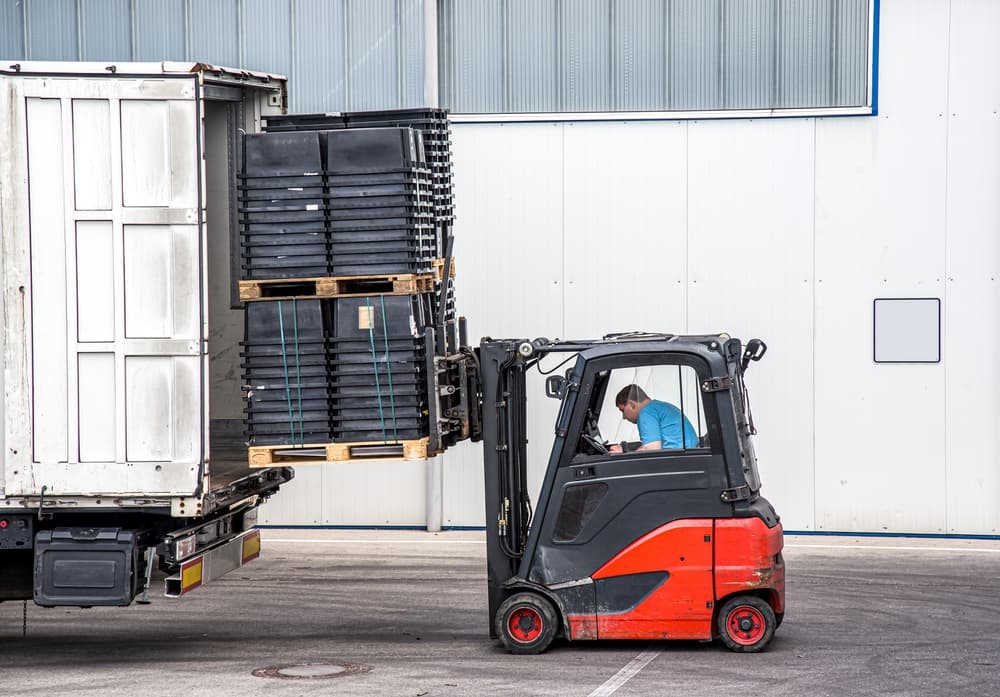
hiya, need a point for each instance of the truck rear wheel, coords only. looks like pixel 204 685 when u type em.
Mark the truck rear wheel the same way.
pixel 526 623
pixel 746 623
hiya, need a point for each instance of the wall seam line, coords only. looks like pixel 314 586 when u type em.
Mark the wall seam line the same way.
pixel 687 227
pixel 813 283
pixel 562 223
pixel 943 306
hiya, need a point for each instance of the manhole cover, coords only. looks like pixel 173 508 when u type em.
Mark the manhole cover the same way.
pixel 311 671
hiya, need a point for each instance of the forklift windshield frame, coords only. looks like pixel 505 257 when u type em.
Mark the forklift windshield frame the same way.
pixel 594 388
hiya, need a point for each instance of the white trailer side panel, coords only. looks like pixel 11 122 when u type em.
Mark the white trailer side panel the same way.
pixel 104 366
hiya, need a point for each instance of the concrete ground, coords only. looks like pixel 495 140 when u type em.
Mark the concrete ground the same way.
pixel 865 617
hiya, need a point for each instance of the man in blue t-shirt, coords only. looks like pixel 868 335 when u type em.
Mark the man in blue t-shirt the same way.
pixel 659 422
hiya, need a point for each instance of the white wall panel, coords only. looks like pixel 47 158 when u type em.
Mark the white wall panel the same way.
pixel 879 428
pixel 509 228
pixel 626 228
pixel 973 258
pixel 913 57
pixel 880 224
pixel 464 490
pixel 750 223
pixel 299 502
pixel 360 493
pixel 509 247
pixel 356 493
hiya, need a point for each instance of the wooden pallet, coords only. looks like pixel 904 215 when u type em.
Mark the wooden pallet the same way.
pixel 337 287
pixel 369 451
pixel 439 269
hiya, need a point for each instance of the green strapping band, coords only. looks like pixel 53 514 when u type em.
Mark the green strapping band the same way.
pixel 298 373
pixel 284 362
pixel 378 388
pixel 388 368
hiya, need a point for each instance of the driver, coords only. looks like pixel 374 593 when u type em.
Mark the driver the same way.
pixel 659 422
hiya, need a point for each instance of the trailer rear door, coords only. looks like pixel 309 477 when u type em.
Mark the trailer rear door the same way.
pixel 104 367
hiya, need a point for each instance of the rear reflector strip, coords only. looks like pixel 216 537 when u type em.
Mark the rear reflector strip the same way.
pixel 192 572
pixel 251 546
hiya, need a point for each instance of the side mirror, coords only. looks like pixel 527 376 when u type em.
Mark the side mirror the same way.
pixel 555 386
pixel 754 351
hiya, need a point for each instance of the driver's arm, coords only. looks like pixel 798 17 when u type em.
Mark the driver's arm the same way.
pixel 625 447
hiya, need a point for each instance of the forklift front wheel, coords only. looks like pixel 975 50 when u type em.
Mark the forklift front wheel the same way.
pixel 526 623
pixel 746 623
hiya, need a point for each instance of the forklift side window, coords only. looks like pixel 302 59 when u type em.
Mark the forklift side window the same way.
pixel 675 415
pixel 579 503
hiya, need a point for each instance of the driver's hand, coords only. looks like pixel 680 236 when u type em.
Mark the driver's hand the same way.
pixel 615 448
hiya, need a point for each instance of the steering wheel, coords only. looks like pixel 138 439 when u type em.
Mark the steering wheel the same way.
pixel 594 443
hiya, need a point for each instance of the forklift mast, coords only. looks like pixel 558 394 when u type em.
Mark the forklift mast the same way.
pixel 520 550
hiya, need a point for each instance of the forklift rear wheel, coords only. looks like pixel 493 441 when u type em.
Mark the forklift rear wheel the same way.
pixel 526 623
pixel 746 623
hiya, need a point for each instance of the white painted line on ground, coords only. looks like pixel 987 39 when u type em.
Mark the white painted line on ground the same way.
pixel 612 684
pixel 400 541
pixel 881 548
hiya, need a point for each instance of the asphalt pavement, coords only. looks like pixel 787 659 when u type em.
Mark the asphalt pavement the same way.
pixel 335 612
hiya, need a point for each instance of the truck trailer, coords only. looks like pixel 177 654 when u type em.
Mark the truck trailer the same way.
pixel 122 443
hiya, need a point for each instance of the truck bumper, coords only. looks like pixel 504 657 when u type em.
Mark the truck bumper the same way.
pixel 213 563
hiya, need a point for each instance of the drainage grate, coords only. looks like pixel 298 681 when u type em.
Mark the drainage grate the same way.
pixel 311 671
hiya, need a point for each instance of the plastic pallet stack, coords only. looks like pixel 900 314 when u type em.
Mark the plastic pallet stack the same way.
pixel 283 227
pixel 435 134
pixel 348 209
pixel 338 203
pixel 285 365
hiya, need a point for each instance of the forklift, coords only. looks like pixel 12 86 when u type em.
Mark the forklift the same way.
pixel 669 543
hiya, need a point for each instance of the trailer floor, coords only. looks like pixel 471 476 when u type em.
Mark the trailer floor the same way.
pixel 865 617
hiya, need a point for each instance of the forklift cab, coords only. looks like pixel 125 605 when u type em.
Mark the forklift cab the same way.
pixel 667 539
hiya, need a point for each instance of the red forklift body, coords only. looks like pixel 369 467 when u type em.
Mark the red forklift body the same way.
pixel 708 561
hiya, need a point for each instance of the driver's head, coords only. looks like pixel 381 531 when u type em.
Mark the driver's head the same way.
pixel 630 400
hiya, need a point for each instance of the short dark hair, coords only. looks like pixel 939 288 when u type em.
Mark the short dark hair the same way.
pixel 630 393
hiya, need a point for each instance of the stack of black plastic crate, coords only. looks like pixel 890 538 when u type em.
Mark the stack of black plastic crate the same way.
pixel 435 134
pixel 287 373
pixel 283 226
pixel 342 203
pixel 380 206
pixel 378 365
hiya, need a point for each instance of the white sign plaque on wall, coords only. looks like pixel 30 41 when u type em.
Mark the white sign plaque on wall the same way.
pixel 907 330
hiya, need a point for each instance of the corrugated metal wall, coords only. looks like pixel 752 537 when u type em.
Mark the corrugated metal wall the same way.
pixel 496 56
pixel 653 55
pixel 338 54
